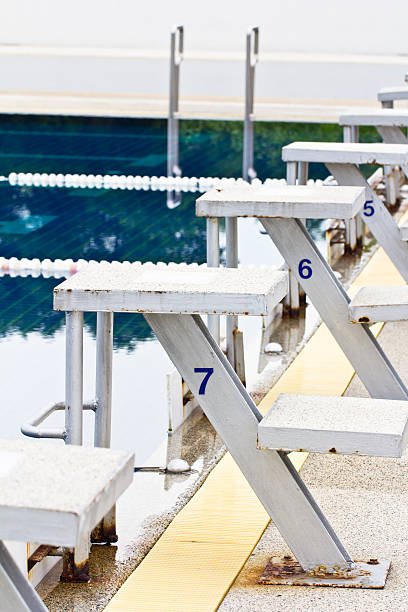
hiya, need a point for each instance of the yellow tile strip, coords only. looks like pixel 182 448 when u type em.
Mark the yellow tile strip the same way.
pixel 193 564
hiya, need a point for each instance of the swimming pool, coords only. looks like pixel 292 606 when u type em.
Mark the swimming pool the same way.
pixel 112 225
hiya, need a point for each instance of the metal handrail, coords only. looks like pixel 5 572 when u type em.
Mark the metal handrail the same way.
pixel 252 56
pixel 32 430
pixel 176 57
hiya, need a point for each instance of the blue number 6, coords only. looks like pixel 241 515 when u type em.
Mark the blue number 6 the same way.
pixel 203 385
pixel 368 209
pixel 304 270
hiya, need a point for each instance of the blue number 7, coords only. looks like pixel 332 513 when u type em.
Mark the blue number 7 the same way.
pixel 203 385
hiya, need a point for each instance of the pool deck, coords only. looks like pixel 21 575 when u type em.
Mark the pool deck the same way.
pixel 139 106
pixel 133 83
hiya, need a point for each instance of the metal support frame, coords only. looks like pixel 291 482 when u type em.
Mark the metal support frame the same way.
pixel 74 378
pixel 331 301
pixel 252 56
pixel 75 567
pixel 17 594
pixel 353 227
pixel 176 57
pixel 376 217
pixel 391 191
pixel 235 417
pixel 213 261
pixel 392 135
pixel 292 300
pixel 105 531
pixel 231 231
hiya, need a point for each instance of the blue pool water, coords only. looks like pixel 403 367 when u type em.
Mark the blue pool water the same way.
pixel 111 225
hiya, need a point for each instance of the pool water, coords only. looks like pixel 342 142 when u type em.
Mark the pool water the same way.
pixel 112 225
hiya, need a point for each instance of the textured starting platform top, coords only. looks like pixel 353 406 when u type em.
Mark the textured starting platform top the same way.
pixel 387 94
pixel 373 304
pixel 348 425
pixel 56 494
pixel 346 152
pixel 290 201
pixel 383 117
pixel 179 289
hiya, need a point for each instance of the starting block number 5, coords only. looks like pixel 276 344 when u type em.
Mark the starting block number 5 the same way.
pixel 208 372
pixel 368 209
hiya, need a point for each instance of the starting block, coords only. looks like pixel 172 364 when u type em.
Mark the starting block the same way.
pixel 172 302
pixel 37 504
pixel 342 161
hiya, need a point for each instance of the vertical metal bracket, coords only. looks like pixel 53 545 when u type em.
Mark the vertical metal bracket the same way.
pixel 176 57
pixel 252 56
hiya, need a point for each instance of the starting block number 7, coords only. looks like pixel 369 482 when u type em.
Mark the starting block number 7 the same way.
pixel 208 372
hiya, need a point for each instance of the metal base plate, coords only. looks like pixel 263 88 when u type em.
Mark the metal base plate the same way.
pixel 366 575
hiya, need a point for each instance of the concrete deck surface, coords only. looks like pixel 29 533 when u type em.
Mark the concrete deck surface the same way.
pixel 125 83
pixel 365 499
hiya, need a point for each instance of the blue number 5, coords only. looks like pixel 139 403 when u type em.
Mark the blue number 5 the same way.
pixel 203 385
pixel 368 209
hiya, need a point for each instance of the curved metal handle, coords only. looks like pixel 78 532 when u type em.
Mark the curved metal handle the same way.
pixel 253 45
pixel 32 430
pixel 177 44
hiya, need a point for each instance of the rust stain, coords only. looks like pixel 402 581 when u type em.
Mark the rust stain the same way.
pixel 72 572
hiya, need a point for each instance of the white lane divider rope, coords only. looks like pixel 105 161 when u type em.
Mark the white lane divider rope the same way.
pixel 67 267
pixel 144 183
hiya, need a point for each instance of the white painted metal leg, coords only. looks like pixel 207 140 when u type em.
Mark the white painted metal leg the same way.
pixel 105 531
pixel 393 135
pixel 74 419
pixel 213 261
pixel 292 300
pixel 235 417
pixel 231 230
pixel 331 301
pixel 350 239
pixel 376 217
pixel 74 378
pixel 17 594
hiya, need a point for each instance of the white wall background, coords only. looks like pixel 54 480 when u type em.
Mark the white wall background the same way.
pixel 352 26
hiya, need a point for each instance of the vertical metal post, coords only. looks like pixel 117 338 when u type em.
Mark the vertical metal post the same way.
pixel 252 54
pixel 292 300
pixel 74 378
pixel 231 231
pixel 176 57
pixel 213 261
pixel 74 570
pixel 302 176
pixel 105 531
pixel 389 174
pixel 353 227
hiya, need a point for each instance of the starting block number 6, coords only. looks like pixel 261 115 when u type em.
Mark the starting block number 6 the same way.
pixel 208 372
pixel 304 268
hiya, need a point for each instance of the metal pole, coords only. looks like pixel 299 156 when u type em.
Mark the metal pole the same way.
pixel 176 57
pixel 231 231
pixel 292 300
pixel 389 176
pixel 74 378
pixel 213 261
pixel 104 349
pixel 252 54
pixel 72 571
pixel 105 531
pixel 350 134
